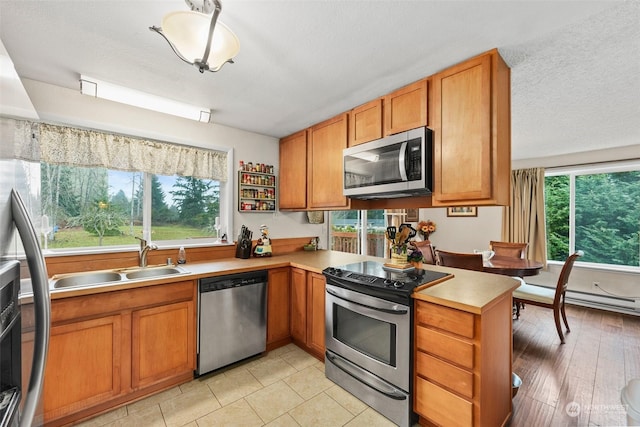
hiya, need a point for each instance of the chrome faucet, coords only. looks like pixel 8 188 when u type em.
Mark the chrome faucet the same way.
pixel 144 250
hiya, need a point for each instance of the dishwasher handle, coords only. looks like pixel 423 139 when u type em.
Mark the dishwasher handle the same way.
pixel 219 283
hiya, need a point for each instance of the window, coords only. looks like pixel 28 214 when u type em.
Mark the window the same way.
pixel 358 232
pixel 88 207
pixel 595 209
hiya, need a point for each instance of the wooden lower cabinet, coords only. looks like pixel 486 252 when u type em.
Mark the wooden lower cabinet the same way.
pixel 307 311
pixel 109 348
pixel 299 306
pixel 162 343
pixel 315 314
pixel 463 364
pixel 278 302
pixel 84 365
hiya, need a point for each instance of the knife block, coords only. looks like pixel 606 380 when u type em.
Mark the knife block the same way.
pixel 243 250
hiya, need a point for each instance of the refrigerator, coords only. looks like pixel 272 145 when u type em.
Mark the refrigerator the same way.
pixel 20 254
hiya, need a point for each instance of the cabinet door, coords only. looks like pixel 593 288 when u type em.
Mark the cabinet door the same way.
pixel 278 302
pixel 293 171
pixel 327 140
pixel 163 343
pixel 406 108
pixel 315 314
pixel 365 122
pixel 299 305
pixel 472 128
pixel 84 365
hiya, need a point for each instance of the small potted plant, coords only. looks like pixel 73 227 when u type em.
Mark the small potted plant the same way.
pixel 414 255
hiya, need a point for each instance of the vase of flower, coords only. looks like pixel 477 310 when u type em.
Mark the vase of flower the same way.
pixel 426 228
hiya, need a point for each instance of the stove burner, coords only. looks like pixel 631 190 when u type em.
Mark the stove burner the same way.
pixel 372 278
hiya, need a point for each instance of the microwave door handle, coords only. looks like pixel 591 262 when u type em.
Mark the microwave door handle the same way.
pixel 402 167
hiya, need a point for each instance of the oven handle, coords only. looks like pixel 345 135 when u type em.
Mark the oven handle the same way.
pixel 393 309
pixel 369 379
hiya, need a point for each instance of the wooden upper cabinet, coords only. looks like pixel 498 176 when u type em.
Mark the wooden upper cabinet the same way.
pixel 293 171
pixel 406 108
pixel 365 122
pixel 472 131
pixel 324 180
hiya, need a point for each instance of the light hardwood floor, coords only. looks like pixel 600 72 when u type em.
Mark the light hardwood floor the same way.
pixel 578 383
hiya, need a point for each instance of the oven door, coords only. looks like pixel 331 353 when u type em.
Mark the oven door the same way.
pixel 371 333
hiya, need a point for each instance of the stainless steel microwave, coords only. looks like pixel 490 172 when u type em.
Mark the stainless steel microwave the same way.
pixel 398 165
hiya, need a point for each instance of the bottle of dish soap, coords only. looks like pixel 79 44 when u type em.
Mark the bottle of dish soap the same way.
pixel 182 256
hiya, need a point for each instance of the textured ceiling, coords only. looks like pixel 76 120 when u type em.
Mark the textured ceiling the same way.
pixel 575 64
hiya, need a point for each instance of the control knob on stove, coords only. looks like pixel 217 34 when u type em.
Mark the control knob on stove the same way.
pixel 335 271
pixel 395 283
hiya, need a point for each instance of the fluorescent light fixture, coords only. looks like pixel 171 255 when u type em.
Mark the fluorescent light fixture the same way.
pixel 105 90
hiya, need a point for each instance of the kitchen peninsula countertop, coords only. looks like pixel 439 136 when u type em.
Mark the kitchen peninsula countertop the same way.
pixel 467 290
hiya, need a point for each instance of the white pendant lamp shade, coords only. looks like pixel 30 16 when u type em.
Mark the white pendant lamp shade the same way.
pixel 188 32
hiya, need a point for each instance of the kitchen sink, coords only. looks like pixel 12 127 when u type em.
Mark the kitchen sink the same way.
pixel 95 278
pixel 84 279
pixel 149 272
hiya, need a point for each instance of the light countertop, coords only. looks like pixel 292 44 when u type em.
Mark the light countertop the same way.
pixel 467 290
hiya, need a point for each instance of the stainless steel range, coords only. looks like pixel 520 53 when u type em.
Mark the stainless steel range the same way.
pixel 369 314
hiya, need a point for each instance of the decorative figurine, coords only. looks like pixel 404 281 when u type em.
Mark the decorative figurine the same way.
pixel 263 246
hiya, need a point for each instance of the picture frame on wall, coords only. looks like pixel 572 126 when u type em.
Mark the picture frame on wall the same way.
pixel 462 211
pixel 413 215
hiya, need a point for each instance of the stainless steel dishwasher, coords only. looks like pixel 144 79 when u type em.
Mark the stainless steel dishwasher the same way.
pixel 232 319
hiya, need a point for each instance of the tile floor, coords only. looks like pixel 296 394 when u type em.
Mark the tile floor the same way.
pixel 285 387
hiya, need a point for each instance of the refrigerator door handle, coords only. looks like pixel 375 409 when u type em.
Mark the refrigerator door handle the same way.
pixel 42 305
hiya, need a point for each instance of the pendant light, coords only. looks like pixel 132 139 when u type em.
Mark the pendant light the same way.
pixel 197 38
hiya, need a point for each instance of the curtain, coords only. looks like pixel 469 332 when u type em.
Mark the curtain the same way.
pixel 524 220
pixel 80 147
pixel 19 140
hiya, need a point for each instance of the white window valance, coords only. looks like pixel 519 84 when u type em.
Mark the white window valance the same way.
pixel 19 139
pixel 71 146
pixel 81 147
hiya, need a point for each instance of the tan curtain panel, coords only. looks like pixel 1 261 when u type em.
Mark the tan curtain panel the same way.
pixel 524 220
pixel 19 140
pixel 80 147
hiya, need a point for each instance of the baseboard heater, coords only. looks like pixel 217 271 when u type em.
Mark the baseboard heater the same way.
pixel 604 302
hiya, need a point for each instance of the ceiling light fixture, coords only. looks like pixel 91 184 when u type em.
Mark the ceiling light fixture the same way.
pixel 198 40
pixel 105 90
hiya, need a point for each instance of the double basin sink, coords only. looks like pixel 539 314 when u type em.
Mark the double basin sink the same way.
pixel 121 275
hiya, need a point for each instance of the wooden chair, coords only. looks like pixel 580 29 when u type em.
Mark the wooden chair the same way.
pixel 549 298
pixel 516 250
pixel 458 260
pixel 428 252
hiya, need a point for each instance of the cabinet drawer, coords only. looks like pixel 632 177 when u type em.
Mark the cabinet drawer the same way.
pixel 445 346
pixel 454 378
pixel 442 407
pixel 448 319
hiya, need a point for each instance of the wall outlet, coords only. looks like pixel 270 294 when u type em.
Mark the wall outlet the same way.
pixel 595 286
